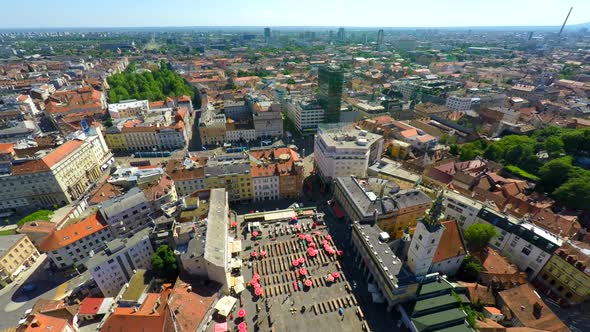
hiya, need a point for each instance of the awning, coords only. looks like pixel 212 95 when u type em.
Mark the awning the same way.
pixel 337 211
pixel 236 263
pixel 220 327
pixel 235 246
pixel 237 283
pixel 225 305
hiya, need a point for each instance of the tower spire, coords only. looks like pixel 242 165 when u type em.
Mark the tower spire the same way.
pixel 432 218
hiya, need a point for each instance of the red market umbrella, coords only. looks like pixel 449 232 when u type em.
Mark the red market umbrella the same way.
pixel 312 245
pixel 234 224
pixel 255 233
pixel 335 275
pixel 256 286
pixel 302 272
pixel 312 253
pixel 262 253
pixel 318 233
pixel 241 313
pixel 330 278
pixel 301 260
pixel 339 252
pixel 301 236
pixel 308 283
pixel 254 253
pixel 256 276
pixel 258 291
pixel 295 262
pixel 328 237
pixel 242 326
pixel 324 242
pixel 331 252
pixel 296 225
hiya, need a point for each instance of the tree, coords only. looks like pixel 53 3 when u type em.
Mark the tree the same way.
pixel 164 263
pixel 555 173
pixel 108 122
pixel 478 235
pixel 575 193
pixel 554 146
pixel 470 269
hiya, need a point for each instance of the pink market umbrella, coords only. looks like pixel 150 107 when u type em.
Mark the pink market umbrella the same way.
pixel 241 313
pixel 318 233
pixel 339 252
pixel 254 253
pixel 308 283
pixel 262 253
pixel 242 326
pixel 328 237
pixel 331 252
pixel 295 262
pixel 234 224
pixel 311 253
pixel 255 233
pixel 301 260
pixel 302 272
pixel 256 286
pixel 335 275
pixel 312 245
pixel 258 291
pixel 324 242
pixel 256 276
pixel 301 236
pixel 296 226
pixel 330 278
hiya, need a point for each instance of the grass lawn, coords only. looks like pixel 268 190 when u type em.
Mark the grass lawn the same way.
pixel 7 232
pixel 44 215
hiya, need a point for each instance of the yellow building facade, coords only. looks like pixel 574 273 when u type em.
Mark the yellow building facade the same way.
pixel 17 253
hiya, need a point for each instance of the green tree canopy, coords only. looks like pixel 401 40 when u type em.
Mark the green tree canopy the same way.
pixel 164 263
pixel 470 269
pixel 555 173
pixel 478 235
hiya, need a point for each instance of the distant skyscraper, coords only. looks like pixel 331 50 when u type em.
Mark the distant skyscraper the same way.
pixel 330 35
pixel 341 34
pixel 267 35
pixel 330 80
pixel 380 39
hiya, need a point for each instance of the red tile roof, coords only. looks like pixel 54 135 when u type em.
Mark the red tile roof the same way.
pixel 44 323
pixel 451 243
pixel 6 148
pixel 71 233
pixel 61 152
pixel 90 305
pixel 189 306
pixel 150 316
pixel 521 302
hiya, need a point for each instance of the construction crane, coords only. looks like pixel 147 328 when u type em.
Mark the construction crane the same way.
pixel 564 22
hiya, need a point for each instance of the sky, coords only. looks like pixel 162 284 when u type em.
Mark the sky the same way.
pixel 357 13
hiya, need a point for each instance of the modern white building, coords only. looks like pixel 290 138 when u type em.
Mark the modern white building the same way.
pixel 209 256
pixel 460 208
pixel 306 115
pixel 345 152
pixel 127 214
pixel 115 265
pixel 458 103
pixel 524 244
pixel 71 245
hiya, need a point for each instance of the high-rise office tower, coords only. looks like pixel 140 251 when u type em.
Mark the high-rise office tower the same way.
pixel 330 80
pixel 341 34
pixel 267 35
pixel 380 39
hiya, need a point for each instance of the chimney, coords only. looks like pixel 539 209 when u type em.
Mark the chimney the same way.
pixel 35 323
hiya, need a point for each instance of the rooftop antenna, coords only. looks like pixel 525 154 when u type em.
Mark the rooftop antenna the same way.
pixel 564 22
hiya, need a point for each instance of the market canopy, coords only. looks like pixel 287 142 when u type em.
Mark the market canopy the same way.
pixel 225 305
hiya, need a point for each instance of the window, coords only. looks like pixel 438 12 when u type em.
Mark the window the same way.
pixel 420 237
pixel 526 251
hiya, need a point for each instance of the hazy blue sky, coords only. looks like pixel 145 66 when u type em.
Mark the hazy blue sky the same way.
pixel 365 13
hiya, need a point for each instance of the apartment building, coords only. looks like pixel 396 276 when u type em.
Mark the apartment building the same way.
pixel 266 115
pixel 212 128
pixel 524 244
pixel 378 201
pixel 17 253
pixel 276 173
pixel 127 214
pixel 566 276
pixel 187 176
pixel 458 103
pixel 128 108
pixel 53 178
pixel 115 265
pixel 460 208
pixel 72 244
pixel 81 100
pixel 345 152
pixel 305 114
pixel 232 172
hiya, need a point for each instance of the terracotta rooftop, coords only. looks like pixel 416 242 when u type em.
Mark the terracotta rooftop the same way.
pixel 190 306
pixel 6 148
pixel 492 261
pixel 90 305
pixel 104 193
pixel 451 243
pixel 528 308
pixel 61 152
pixel 71 233
pixel 152 316
pixel 44 323
pixel 479 293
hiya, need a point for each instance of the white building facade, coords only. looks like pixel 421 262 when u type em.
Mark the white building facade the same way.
pixel 265 188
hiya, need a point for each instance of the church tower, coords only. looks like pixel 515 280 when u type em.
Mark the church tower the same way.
pixel 426 238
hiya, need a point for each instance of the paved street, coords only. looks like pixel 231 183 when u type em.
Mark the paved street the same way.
pixel 14 301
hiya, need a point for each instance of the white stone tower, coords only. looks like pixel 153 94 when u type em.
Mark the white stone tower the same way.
pixel 426 239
